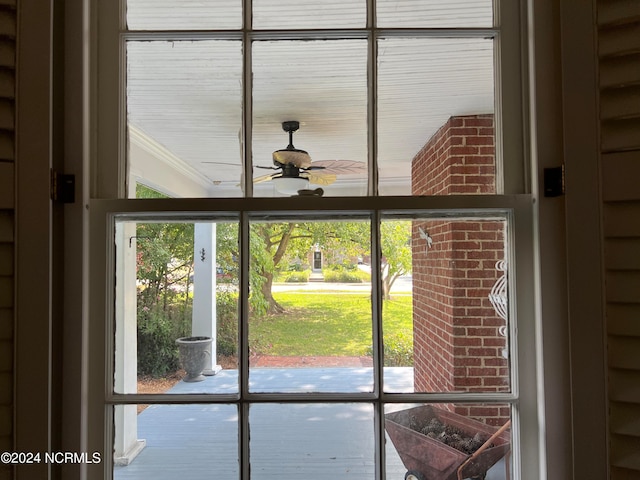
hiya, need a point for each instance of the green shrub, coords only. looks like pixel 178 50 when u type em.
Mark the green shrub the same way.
pixel 156 340
pixel 298 277
pixel 227 323
pixel 338 274
pixel 398 350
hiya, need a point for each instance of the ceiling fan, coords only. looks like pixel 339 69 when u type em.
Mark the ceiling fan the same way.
pixel 295 171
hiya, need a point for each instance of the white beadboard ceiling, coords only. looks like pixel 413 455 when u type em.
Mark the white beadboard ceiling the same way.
pixel 185 96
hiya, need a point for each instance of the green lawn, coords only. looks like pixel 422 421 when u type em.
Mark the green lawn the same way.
pixel 321 324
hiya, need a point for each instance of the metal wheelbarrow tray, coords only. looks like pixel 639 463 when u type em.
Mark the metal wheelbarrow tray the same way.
pixel 429 459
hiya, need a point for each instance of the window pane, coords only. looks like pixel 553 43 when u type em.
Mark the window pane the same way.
pixel 434 13
pixel 310 324
pixel 309 14
pixel 184 116
pixel 183 14
pixel 177 441
pixel 312 441
pixel 323 86
pixel 445 312
pixel 176 307
pixel 435 116
pixel 435 441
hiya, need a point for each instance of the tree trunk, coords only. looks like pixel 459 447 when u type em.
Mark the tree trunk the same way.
pixel 274 306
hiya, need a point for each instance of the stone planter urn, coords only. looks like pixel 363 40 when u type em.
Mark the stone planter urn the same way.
pixel 194 354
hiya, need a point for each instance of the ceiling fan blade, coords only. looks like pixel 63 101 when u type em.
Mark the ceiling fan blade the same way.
pixel 266 178
pixel 266 168
pixel 342 167
pixel 314 167
pixel 223 163
pixel 321 178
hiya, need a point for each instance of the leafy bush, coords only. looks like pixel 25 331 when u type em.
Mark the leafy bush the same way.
pixel 297 277
pixel 227 323
pixel 398 350
pixel 339 274
pixel 157 334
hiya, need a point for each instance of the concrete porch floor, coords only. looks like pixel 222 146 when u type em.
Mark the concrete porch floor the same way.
pixel 311 441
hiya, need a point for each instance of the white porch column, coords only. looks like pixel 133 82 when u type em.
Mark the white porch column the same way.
pixel 203 321
pixel 127 445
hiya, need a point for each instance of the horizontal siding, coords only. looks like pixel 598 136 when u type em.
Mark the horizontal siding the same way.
pixel 619 74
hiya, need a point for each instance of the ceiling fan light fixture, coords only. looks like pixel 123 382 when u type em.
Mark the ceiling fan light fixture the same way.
pixel 290 186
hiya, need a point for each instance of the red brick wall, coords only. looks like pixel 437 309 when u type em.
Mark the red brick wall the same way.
pixel 457 345
pixel 458 159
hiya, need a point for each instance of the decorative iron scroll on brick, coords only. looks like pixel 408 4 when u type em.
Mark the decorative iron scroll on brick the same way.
pixel 498 294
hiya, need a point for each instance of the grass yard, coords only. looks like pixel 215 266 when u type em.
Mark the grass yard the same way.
pixel 327 324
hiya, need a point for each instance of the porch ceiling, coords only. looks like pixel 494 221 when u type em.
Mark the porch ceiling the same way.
pixel 185 97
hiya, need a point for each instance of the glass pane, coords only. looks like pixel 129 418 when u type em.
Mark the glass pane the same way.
pixel 184 117
pixel 445 310
pixel 292 14
pixel 312 441
pixel 436 441
pixel 323 86
pixel 176 441
pixel 435 116
pixel 310 321
pixel 434 13
pixel 176 307
pixel 183 14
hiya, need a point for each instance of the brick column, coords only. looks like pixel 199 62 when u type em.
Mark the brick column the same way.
pixel 457 345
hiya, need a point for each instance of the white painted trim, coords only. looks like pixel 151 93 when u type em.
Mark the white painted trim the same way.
pixel 152 164
pixel 585 262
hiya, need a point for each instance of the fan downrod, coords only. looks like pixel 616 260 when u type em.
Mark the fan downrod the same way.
pixel 291 126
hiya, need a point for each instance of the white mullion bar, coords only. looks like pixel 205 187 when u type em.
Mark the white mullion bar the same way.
pixel 348 397
pixel 208 208
pixel 247 99
pixel 378 353
pixel 372 113
pixel 308 34
pixel 243 352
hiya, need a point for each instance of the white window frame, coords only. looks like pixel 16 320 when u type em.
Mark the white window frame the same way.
pixel 108 192
pixel 524 332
